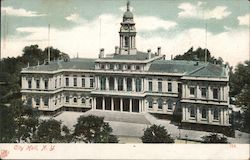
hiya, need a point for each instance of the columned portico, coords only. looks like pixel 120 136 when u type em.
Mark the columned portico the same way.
pixel 118 104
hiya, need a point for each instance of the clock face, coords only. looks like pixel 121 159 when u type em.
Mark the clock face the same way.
pixel 126 27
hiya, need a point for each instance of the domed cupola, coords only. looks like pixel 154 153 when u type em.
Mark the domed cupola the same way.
pixel 128 15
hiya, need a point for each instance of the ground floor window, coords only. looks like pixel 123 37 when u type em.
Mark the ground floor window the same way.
pixel 29 101
pixel 160 103
pixel 216 114
pixel 46 101
pixel 67 99
pixel 37 101
pixel 192 112
pixel 150 103
pixel 75 100
pixel 83 101
pixel 170 105
pixel 204 113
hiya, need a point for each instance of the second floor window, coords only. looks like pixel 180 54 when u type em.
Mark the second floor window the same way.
pixel 216 114
pixel 91 82
pixel 120 84
pixel 37 83
pixel 192 91
pixel 192 112
pixel 169 87
pixel 204 113
pixel 150 86
pixel 215 93
pixel 29 84
pixel 46 84
pixel 67 81
pixel 75 81
pixel 160 86
pixel 103 83
pixel 203 92
pixel 83 82
pixel 138 85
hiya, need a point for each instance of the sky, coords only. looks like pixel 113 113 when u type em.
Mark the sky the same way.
pixel 83 27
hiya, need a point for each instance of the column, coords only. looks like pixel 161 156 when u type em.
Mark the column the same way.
pixel 121 104
pixel 221 116
pixel 209 115
pixel 125 84
pixel 94 103
pixel 107 83
pixel 197 114
pixel 133 84
pixel 187 114
pixel 99 83
pixel 116 84
pixel 103 103
pixel 130 105
pixel 112 104
pixel 184 113
pixel 140 101
pixel 225 116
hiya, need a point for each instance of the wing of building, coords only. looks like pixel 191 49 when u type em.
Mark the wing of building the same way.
pixel 131 81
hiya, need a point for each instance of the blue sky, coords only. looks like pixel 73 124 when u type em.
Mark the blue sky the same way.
pixel 83 26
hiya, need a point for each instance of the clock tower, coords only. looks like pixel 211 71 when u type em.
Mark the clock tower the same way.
pixel 127 33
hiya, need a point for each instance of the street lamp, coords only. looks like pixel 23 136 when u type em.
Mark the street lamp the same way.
pixel 186 137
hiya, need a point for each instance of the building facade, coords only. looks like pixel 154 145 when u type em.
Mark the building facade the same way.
pixel 131 81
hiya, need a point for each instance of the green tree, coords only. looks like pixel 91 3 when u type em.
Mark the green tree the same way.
pixel 49 131
pixel 7 124
pixel 156 134
pixel 214 138
pixel 93 129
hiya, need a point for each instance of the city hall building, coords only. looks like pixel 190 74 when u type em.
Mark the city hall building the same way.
pixel 131 81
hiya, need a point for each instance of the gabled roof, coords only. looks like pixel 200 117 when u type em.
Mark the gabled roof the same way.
pixel 210 70
pixel 76 63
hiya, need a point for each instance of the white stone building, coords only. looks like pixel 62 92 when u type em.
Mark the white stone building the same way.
pixel 131 81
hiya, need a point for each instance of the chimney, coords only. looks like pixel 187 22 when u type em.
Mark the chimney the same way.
pixel 116 49
pixel 101 54
pixel 149 53
pixel 158 51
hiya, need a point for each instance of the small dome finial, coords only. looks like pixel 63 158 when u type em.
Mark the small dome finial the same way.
pixel 128 6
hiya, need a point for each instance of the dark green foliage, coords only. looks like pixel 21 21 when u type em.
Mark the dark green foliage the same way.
pixel 198 55
pixel 10 69
pixel 49 131
pixel 214 138
pixel 93 129
pixel 7 125
pixel 156 134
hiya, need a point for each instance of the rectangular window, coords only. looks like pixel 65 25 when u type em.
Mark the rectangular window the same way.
pixel 204 113
pixel 37 83
pixel 67 81
pixel 170 105
pixel 137 67
pixel 192 112
pixel 215 93
pixel 75 81
pixel 169 87
pixel 55 83
pixel 111 66
pixel 37 101
pixel 46 101
pixel 138 85
pixel 160 103
pixel 120 84
pixel 103 83
pixel 83 82
pixel 91 82
pixel 67 99
pixel 203 92
pixel 159 86
pixel 46 84
pixel 150 86
pixel 216 114
pixel 150 103
pixel 29 84
pixel 192 91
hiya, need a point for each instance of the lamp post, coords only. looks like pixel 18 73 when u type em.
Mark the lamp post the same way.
pixel 186 137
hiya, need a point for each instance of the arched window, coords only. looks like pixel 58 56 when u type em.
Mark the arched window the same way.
pixel 83 101
pixel 160 103
pixel 170 105
pixel 204 113
pixel 192 111
pixel 216 114
pixel 150 103
pixel 126 41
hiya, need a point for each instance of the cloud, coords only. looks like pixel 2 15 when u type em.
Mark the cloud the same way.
pixel 244 20
pixel 19 12
pixel 147 23
pixel 75 18
pixel 197 11
pixel 85 38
